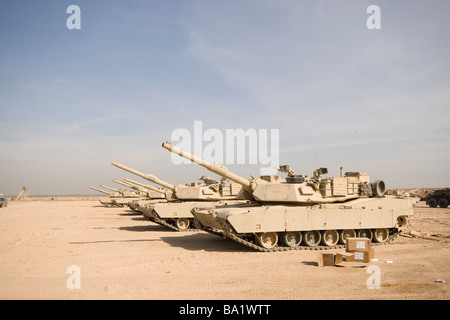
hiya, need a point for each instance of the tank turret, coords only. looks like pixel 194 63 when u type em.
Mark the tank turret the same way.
pixel 299 189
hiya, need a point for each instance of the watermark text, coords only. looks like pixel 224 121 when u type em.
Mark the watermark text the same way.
pixel 74 280
pixel 234 146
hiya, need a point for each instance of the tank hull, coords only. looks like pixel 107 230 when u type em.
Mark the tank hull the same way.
pixel 114 201
pixel 387 214
pixel 177 214
pixel 139 205
pixel 120 202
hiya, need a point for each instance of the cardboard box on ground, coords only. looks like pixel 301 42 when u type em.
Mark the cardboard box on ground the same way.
pixel 326 259
pixel 357 250
pixel 357 244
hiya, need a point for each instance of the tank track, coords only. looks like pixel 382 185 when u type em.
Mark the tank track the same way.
pixel 170 226
pixel 229 233
pixel 108 204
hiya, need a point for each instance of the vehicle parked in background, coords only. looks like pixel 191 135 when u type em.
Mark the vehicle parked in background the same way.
pixel 440 197
pixel 3 201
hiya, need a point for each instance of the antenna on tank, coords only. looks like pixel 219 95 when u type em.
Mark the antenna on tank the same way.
pixel 357 153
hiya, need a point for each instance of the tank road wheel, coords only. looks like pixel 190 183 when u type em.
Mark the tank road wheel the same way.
pixel 365 233
pixel 182 223
pixel 292 238
pixel 381 235
pixel 311 238
pixel 267 240
pixel 344 234
pixel 330 238
pixel 443 203
pixel 432 202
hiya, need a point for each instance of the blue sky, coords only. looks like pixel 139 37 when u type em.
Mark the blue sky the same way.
pixel 73 101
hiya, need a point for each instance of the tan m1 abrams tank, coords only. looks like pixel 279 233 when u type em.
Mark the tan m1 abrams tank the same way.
pixel 299 212
pixel 147 194
pixel 154 195
pixel 111 196
pixel 175 213
pixel 124 196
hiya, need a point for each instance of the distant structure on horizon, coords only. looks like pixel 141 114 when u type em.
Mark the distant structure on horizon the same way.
pixel 23 194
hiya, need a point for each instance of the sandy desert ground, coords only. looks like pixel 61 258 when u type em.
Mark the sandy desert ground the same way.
pixel 120 255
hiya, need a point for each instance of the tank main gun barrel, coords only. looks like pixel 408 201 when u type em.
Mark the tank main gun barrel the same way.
pixel 122 183
pixel 112 189
pixel 213 167
pixel 146 176
pixel 129 185
pixel 99 190
pixel 146 186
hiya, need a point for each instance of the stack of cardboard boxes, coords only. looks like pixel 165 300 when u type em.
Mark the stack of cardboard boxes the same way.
pixel 357 250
